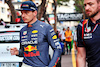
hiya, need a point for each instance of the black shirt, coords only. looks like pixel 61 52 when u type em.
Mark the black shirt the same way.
pixel 92 42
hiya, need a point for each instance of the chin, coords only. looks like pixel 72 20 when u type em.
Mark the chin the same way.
pixel 25 22
pixel 88 15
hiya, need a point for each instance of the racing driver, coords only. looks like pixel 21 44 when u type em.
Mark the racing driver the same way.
pixel 35 39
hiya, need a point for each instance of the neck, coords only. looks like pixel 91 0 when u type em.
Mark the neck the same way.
pixel 95 18
pixel 32 21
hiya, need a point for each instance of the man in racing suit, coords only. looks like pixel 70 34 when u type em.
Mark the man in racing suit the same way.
pixel 35 39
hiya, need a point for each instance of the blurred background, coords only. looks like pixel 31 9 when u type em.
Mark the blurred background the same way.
pixel 58 13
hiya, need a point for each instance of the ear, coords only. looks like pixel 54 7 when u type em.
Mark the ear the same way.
pixel 99 5
pixel 35 13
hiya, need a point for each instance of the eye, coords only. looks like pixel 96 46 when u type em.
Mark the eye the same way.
pixel 26 12
pixel 90 4
pixel 84 5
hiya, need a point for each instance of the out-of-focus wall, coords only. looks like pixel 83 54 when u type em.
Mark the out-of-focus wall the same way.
pixel 4 12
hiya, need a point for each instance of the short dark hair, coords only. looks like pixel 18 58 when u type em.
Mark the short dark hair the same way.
pixel 1 19
pixel 67 27
pixel 63 28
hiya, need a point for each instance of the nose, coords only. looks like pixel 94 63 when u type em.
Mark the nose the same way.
pixel 87 7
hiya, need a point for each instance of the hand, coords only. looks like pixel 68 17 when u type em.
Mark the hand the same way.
pixel 14 51
pixel 68 37
pixel 61 39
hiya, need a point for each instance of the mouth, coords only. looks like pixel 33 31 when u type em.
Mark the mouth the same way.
pixel 88 12
pixel 24 19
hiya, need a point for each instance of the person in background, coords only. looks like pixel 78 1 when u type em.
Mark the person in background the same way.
pixel 57 34
pixel 68 35
pixel 35 39
pixel 2 22
pixel 63 35
pixel 89 36
pixel 62 40
pixel 75 39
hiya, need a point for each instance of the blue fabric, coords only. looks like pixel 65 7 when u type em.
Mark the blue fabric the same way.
pixel 35 43
pixel 62 45
pixel 28 5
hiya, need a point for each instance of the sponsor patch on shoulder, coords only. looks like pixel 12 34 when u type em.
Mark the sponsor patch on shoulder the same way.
pixel 54 37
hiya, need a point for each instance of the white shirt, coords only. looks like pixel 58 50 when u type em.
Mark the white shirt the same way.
pixel 62 34
pixel 75 36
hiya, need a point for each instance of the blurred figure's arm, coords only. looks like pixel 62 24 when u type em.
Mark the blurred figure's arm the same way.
pixel 81 54
pixel 81 57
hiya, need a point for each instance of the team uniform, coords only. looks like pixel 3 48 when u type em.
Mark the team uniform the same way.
pixel 35 41
pixel 91 41
pixel 68 39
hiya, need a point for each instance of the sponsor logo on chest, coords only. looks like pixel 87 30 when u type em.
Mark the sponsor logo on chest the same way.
pixel 87 35
pixel 31 51
pixel 29 38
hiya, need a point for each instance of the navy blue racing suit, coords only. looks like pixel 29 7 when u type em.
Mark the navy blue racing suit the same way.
pixel 35 43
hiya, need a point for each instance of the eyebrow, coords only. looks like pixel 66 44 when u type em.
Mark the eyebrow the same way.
pixel 88 3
